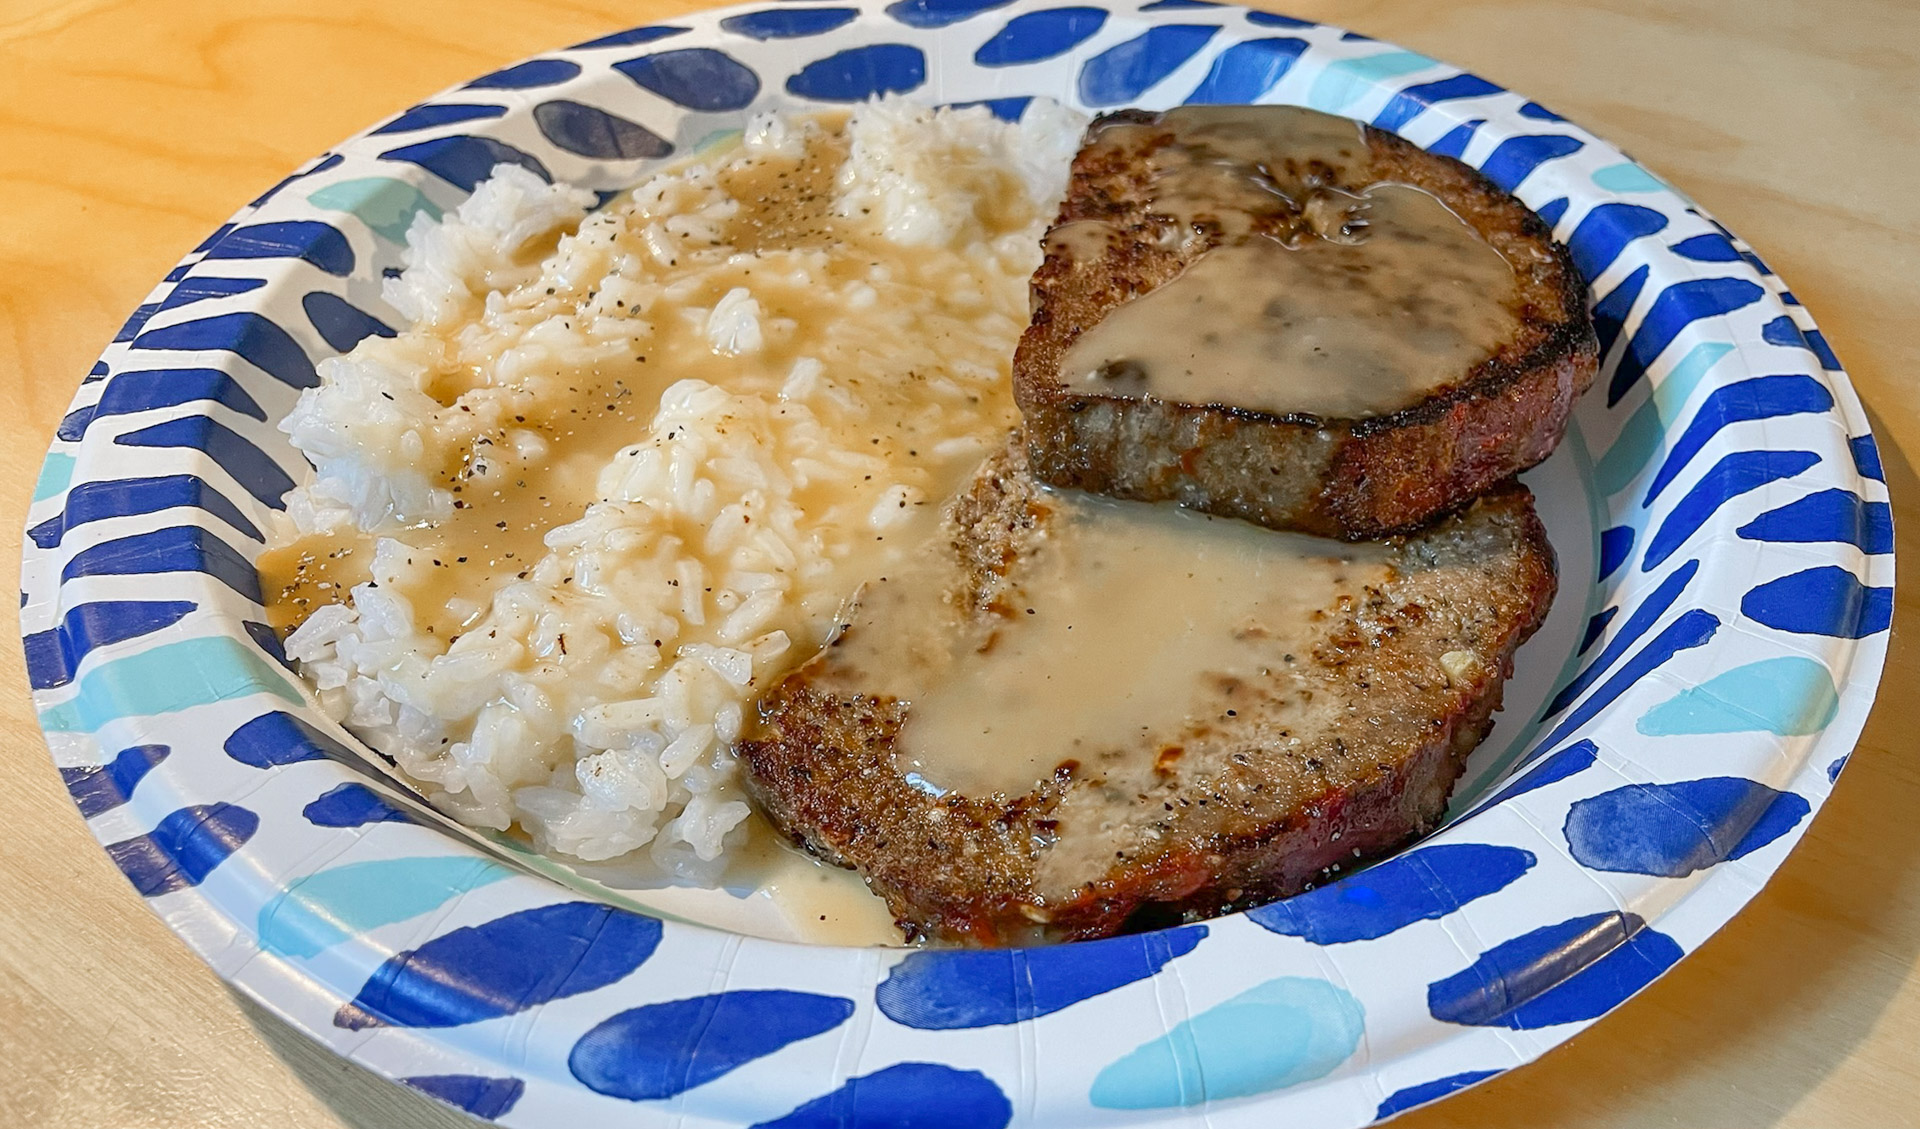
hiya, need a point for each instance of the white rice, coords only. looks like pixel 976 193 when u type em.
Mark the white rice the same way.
pixel 813 408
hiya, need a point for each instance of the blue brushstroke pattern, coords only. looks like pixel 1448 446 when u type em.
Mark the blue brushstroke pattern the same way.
pixel 1673 830
pixel 180 548
pixel 160 388
pixel 1646 431
pixel 166 679
pixel 952 989
pixel 1280 1033
pixel 1838 516
pixel 1791 696
pixel 54 654
pixel 186 847
pixel 123 497
pixel 1457 139
pixel 1711 247
pixel 1610 313
pixel 659 1050
pixel 136 321
pixel 906 1095
pixel 1827 600
pixel 504 966
pixel 1245 71
pixel 1596 627
pixel 940 13
pixel 1616 545
pixel 1739 473
pixel 1763 397
pixel 1817 341
pixel 1575 970
pixel 464 161
pixel 1575 758
pixel 1551 211
pixel 485 1098
pixel 55 473
pixel 592 132
pixel 268 640
pixel 527 75
pixel 1866 457
pixel 1040 35
pixel 1410 103
pixel 698 78
pixel 1604 232
pixel 1538 112
pixel 1639 623
pixel 247 464
pixel 352 805
pixel 1514 159
pixel 632 37
pixel 860 73
pixel 1275 19
pixel 280 738
pixel 193 290
pixel 1689 630
pixel 788 23
pixel 98 788
pixel 248 335
pixel 431 114
pixel 1422 885
pixel 1403 1100
pixel 1677 307
pixel 325 163
pixel 340 323
pixel 1124 71
pixel 318 911
pixel 1006 109
pixel 310 241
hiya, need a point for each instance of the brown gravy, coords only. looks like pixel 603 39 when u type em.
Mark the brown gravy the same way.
pixel 1323 292
pixel 1131 629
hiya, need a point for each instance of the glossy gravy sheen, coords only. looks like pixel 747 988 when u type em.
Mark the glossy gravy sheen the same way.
pixel 1131 628
pixel 1324 292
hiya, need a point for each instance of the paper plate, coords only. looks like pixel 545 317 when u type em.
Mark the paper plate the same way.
pixel 1719 510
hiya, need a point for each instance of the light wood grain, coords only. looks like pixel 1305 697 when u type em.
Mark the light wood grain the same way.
pixel 130 128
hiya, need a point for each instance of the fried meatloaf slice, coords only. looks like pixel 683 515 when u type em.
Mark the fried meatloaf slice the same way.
pixel 1343 747
pixel 1129 225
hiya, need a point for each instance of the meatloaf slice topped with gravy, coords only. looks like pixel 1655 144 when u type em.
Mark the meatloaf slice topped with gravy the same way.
pixel 1292 318
pixel 1077 716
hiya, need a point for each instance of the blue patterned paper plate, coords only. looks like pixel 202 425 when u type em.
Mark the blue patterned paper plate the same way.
pixel 1719 510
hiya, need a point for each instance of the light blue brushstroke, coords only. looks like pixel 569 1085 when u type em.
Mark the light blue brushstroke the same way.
pixel 1628 177
pixel 1281 1033
pixel 1349 80
pixel 174 676
pixel 718 139
pixel 55 473
pixel 382 203
pixel 1641 439
pixel 1791 696
pixel 321 910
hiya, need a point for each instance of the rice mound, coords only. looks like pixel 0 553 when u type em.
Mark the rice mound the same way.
pixel 810 403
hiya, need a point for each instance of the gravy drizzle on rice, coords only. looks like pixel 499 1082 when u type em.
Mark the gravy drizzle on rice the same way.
pixel 620 467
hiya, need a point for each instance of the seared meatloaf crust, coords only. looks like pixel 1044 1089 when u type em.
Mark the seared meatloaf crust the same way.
pixel 1344 477
pixel 1346 754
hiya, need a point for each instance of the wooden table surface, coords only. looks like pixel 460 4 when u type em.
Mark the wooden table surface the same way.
pixel 131 128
